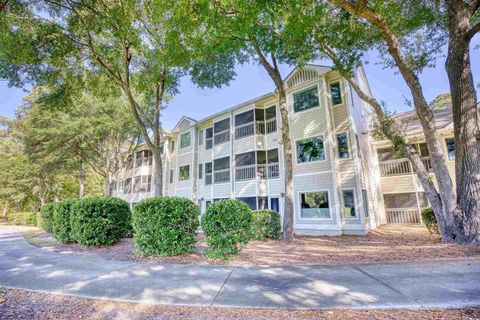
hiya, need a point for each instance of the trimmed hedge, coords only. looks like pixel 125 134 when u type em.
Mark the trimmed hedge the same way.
pixel 61 224
pixel 22 218
pixel 165 225
pixel 226 224
pixel 428 217
pixel 101 220
pixel 47 216
pixel 266 225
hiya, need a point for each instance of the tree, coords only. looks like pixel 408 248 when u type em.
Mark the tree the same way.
pixel 441 101
pixel 244 30
pixel 132 43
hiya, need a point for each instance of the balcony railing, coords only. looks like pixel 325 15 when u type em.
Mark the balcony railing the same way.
pixel 244 130
pixel 221 137
pixel 401 167
pixel 403 215
pixel 222 176
pixel 395 167
pixel 262 171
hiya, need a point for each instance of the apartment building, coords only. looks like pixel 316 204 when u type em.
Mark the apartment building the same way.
pixel 237 153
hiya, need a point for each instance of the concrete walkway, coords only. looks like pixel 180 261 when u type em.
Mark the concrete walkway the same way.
pixel 432 284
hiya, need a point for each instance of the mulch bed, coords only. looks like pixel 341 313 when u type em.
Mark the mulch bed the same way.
pixel 23 304
pixel 387 243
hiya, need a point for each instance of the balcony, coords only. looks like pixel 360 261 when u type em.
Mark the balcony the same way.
pixel 222 176
pixel 401 167
pixel 262 171
pixel 259 127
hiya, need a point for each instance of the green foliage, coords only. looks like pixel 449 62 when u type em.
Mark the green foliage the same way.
pixel 428 217
pixel 61 226
pixel 226 224
pixel 165 225
pixel 38 216
pixel 101 220
pixel 22 218
pixel 441 102
pixel 47 213
pixel 266 225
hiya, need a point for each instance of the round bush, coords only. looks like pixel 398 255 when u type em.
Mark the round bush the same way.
pixel 61 224
pixel 266 225
pixel 165 225
pixel 47 216
pixel 428 217
pixel 101 220
pixel 226 224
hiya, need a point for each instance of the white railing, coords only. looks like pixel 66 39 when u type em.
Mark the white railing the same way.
pixel 222 176
pixel 273 170
pixel 222 136
pixel 245 173
pixel 244 130
pixel 403 215
pixel 260 127
pixel 395 167
pixel 271 125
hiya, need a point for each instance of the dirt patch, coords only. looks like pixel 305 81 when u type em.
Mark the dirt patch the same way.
pixel 387 243
pixel 23 304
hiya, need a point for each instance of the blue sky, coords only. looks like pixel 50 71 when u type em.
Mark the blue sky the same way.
pixel 253 81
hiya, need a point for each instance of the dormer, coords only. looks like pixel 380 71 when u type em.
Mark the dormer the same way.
pixel 184 123
pixel 305 74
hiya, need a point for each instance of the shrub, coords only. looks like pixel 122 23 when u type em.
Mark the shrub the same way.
pixel 101 220
pixel 430 221
pixel 61 224
pixel 227 224
pixel 22 218
pixel 266 225
pixel 165 225
pixel 47 216
pixel 38 217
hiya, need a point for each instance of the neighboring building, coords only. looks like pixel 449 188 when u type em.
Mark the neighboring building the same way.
pixel 403 194
pixel 237 153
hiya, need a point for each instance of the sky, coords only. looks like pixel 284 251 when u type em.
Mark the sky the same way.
pixel 252 81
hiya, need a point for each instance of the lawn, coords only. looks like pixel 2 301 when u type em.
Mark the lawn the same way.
pixel 23 304
pixel 384 244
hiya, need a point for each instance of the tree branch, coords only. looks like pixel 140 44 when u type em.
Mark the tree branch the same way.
pixel 472 31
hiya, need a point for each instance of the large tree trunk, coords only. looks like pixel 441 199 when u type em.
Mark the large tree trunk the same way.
pixel 158 173
pixel 466 120
pixel 288 169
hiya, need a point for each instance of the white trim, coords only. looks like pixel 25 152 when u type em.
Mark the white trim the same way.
pixel 348 146
pixel 355 202
pixel 329 95
pixel 312 173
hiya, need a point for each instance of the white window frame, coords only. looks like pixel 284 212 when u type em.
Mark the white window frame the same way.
pixel 341 92
pixel 348 146
pixel 309 162
pixel 355 203
pixel 179 176
pixel 303 90
pixel 189 142
pixel 300 205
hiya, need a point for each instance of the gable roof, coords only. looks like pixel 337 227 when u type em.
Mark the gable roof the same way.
pixel 306 73
pixel 183 123
pixel 409 121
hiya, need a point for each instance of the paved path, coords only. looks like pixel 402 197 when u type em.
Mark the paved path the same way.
pixel 432 284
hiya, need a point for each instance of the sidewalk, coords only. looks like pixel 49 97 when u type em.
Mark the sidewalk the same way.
pixel 446 283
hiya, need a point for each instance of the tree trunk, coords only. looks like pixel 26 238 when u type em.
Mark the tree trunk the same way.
pixel 466 121
pixel 158 172
pixel 288 170
pixel 81 181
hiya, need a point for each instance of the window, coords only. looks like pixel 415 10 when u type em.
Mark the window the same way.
pixel 200 171
pixel 342 142
pixel 306 99
pixel 172 146
pixel 222 131
pixel 143 157
pixel 221 168
pixel 184 173
pixel 244 124
pixel 208 173
pixel 129 162
pixel 245 166
pixel 209 138
pixel 262 203
pixel 142 184
pixel 349 204
pixel 271 119
pixel 200 137
pixel 400 200
pixel 314 205
pixel 250 201
pixel 171 176
pixel 310 150
pixel 274 204
pixel 185 140
pixel 450 148
pixel 127 186
pixel 273 167
pixel 162 147
pixel 336 93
